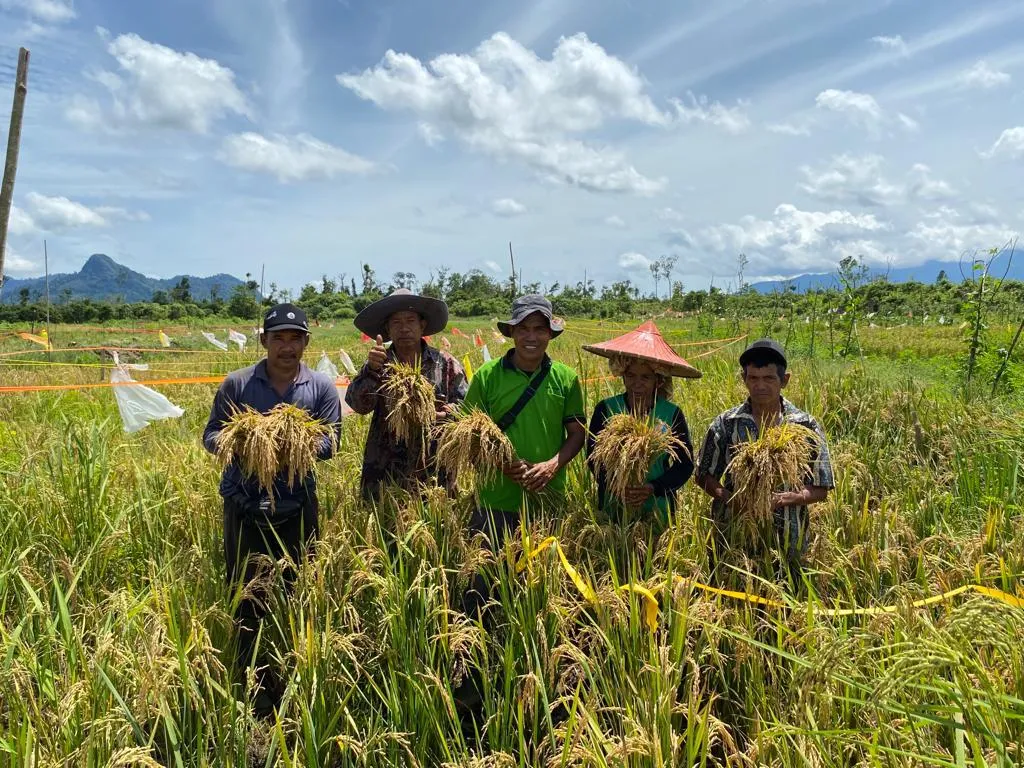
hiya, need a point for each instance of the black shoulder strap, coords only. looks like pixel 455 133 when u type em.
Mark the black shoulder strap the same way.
pixel 509 418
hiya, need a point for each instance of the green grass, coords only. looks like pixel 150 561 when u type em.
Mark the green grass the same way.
pixel 114 615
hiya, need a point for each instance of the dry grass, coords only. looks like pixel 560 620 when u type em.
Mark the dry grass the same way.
pixel 626 447
pixel 777 460
pixel 473 441
pixel 412 409
pixel 284 441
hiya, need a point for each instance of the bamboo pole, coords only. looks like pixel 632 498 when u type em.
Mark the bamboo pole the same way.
pixel 13 145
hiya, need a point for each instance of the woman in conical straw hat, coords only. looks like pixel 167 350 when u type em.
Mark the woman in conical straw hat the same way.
pixel 647 365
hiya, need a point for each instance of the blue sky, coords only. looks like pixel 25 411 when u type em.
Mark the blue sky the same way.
pixel 201 136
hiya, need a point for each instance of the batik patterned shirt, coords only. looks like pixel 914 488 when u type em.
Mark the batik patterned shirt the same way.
pixel 737 426
pixel 385 459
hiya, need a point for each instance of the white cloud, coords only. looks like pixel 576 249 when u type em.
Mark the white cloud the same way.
pixel 921 185
pixel 615 221
pixel 909 124
pixel 161 87
pixel 795 238
pixel 670 214
pixel 634 262
pixel 290 158
pixel 1009 143
pixel 859 180
pixel 51 11
pixel 789 129
pixel 58 213
pixel 859 107
pixel 20 222
pixel 701 110
pixel 848 179
pixel 892 43
pixel 507 207
pixel 17 265
pixel 981 75
pixel 493 266
pixel 945 235
pixel 504 101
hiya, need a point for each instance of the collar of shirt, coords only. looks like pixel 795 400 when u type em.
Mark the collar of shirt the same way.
pixel 303 377
pixel 509 365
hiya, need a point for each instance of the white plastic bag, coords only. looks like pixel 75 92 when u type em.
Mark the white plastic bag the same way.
pixel 346 363
pixel 487 354
pixel 239 338
pixel 325 366
pixel 140 405
pixel 213 340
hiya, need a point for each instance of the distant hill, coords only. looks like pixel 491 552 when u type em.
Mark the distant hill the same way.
pixel 924 273
pixel 103 278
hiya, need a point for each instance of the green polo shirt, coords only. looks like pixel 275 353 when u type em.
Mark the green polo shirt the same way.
pixel 539 431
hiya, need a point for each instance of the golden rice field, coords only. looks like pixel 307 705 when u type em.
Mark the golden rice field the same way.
pixel 114 613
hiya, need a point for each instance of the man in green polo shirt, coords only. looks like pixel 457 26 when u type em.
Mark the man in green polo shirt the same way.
pixel 538 403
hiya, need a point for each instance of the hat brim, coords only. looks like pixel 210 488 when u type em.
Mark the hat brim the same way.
pixel 285 327
pixel 505 326
pixel 673 368
pixel 373 319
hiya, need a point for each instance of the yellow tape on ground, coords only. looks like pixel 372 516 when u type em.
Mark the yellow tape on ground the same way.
pixel 651 602
pixel 585 589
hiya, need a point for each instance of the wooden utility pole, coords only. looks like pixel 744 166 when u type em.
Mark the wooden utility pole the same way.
pixel 13 144
pixel 46 267
pixel 513 260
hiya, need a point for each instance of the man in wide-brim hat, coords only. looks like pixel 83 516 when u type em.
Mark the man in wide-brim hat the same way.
pixel 647 365
pixel 398 324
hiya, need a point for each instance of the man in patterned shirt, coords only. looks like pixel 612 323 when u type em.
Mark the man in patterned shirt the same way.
pixel 403 319
pixel 764 373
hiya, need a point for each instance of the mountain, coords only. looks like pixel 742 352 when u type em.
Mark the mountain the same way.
pixel 924 273
pixel 103 278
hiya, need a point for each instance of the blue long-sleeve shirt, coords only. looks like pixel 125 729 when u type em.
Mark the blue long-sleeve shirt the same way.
pixel 312 391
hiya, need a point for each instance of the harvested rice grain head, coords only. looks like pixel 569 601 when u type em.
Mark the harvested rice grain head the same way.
pixel 412 406
pixel 627 446
pixel 472 440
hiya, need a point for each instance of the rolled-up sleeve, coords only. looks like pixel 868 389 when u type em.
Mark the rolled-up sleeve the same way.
pixel 361 395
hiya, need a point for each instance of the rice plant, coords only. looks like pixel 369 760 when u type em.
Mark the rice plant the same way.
pixel 471 440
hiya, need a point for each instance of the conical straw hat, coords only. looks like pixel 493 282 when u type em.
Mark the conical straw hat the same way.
pixel 646 343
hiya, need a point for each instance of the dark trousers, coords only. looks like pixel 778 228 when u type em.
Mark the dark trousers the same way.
pixel 244 539
pixel 497 525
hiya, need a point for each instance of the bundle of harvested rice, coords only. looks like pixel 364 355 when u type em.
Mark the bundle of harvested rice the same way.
pixel 284 441
pixel 627 446
pixel 473 440
pixel 412 407
pixel 777 460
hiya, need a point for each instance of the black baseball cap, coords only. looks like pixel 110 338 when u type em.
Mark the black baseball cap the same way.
pixel 764 349
pixel 285 317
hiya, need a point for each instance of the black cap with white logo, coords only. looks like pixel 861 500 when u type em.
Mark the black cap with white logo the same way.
pixel 285 317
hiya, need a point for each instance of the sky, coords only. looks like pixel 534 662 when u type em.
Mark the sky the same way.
pixel 308 137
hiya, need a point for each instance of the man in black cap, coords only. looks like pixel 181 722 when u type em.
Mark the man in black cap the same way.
pixel 251 526
pixel 763 369
pixel 398 324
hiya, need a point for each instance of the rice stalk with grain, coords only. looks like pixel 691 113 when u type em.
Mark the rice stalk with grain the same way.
pixel 776 460
pixel 285 442
pixel 627 446
pixel 411 399
pixel 472 440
